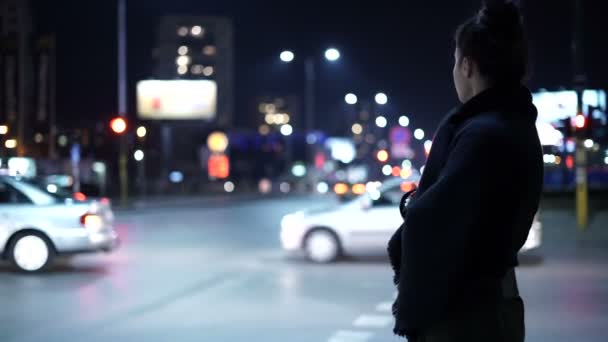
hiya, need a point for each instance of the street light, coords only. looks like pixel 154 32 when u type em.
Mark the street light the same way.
pixel 287 56
pixel 3 129
pixel 381 121
pixel 419 134
pixel 118 125
pixel 350 98
pixel 404 121
pixel 138 155
pixel 286 130
pixel 332 54
pixel 141 131
pixel 10 143
pixel 381 98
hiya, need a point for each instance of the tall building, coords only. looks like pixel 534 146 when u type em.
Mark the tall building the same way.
pixel 193 48
pixel 17 71
pixel 27 96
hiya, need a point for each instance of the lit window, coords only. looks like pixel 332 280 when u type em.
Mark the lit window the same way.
pixel 208 71
pixel 197 31
pixel 197 69
pixel 209 50
pixel 182 31
pixel 182 60
pixel 182 50
pixel 182 69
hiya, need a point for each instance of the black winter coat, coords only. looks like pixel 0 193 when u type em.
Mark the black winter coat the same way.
pixel 472 211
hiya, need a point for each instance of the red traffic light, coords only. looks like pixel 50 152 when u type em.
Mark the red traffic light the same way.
pixel 580 121
pixel 118 125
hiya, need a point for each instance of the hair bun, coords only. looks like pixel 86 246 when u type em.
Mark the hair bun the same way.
pixel 500 14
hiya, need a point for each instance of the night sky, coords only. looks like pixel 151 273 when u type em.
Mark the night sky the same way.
pixel 403 48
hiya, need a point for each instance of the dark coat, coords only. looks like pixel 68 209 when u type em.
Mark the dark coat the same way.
pixel 472 211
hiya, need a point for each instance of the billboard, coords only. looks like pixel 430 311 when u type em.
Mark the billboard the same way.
pixel 176 99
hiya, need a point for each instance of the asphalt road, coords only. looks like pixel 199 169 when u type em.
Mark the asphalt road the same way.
pixel 213 271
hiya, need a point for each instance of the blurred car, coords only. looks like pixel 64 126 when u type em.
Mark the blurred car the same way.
pixel 36 225
pixel 362 226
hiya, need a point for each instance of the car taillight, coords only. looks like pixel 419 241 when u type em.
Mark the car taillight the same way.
pixel 105 201
pixel 92 222
pixel 79 196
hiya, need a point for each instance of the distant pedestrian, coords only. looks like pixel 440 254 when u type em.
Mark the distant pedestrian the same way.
pixel 454 255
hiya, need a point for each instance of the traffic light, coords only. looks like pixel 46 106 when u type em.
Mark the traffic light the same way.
pixel 583 126
pixel 118 125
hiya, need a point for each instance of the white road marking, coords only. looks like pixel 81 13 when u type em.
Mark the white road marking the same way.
pixel 373 321
pixel 385 307
pixel 351 336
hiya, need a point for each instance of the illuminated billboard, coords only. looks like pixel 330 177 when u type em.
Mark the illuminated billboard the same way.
pixel 177 100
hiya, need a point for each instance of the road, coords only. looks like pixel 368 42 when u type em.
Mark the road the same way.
pixel 214 271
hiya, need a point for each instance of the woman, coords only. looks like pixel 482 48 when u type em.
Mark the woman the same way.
pixel 455 253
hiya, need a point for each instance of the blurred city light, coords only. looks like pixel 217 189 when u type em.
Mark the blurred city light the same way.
pixel 357 129
pixel 375 195
pixel 322 188
pixel 298 170
pixel 419 134
pixel 285 187
pixel 182 31
pixel 382 156
pixel 182 69
pixel 62 140
pixel 381 98
pixel 209 50
pixel 332 54
pixel 182 60
pixel 580 121
pixel 286 130
pixel 3 129
pixel 359 189
pixel 427 146
pixel 229 186
pixel 311 139
pixel 208 71
pixel 217 142
pixel 38 138
pixel 99 167
pixel 265 185
pixel 350 98
pixel 606 160
pixel 407 164
pixel 118 125
pixel 138 155
pixel 264 129
pixel 287 56
pixel 342 149
pixel 141 131
pixel 197 69
pixel 387 170
pixel 589 143
pixel 10 143
pixel 396 171
pixel 176 177
pixel 406 173
pixel 182 50
pixel 422 169
pixel 404 121
pixel 218 166
pixel 407 186
pixel 549 158
pixel 197 31
pixel 340 188
pixel 381 121
pixel 52 188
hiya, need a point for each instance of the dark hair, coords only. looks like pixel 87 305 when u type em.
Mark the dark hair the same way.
pixel 495 40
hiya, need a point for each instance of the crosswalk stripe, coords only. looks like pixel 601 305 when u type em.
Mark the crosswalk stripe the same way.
pixel 373 321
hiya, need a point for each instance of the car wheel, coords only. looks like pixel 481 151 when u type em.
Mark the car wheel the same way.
pixel 322 246
pixel 31 252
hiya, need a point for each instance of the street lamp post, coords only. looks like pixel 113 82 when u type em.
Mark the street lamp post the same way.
pixel 123 170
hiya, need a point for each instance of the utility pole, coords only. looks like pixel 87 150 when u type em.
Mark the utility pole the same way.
pixel 580 80
pixel 123 170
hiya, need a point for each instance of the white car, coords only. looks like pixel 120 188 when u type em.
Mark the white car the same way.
pixel 362 226
pixel 36 225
